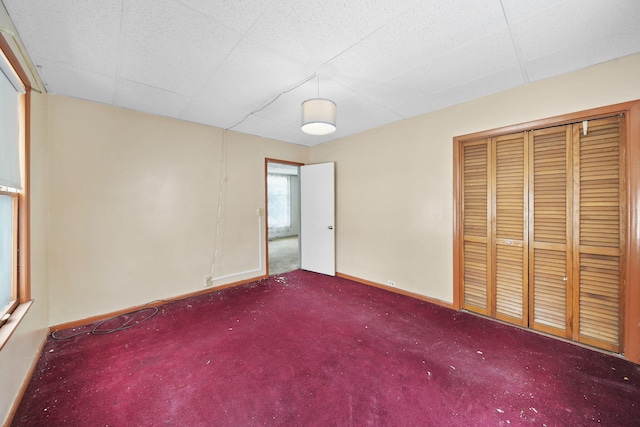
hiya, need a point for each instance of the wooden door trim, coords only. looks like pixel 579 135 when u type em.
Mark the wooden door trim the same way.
pixel 564 119
pixel 631 284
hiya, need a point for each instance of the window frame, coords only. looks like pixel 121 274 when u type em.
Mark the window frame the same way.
pixel 22 271
pixel 13 303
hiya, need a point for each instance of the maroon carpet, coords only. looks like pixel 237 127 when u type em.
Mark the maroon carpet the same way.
pixel 304 349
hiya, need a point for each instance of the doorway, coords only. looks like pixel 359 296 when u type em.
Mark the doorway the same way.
pixel 283 216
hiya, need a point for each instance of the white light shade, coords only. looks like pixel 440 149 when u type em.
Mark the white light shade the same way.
pixel 318 116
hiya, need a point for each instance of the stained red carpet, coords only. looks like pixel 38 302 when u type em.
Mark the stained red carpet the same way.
pixel 302 349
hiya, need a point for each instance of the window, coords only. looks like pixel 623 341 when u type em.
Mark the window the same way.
pixel 8 252
pixel 13 210
pixel 279 200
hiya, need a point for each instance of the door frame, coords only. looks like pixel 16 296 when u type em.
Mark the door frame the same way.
pixel 630 325
pixel 268 160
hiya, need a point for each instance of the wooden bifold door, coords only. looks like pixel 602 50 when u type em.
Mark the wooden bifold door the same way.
pixel 543 229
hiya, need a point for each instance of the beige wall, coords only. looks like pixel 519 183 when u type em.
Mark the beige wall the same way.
pixel 134 207
pixel 22 348
pixel 395 183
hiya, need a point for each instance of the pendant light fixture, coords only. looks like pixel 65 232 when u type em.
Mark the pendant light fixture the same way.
pixel 318 115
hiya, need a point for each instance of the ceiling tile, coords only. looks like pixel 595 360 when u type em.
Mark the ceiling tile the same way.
pixel 518 10
pixel 469 62
pixel 76 32
pixel 623 43
pixel 485 85
pixel 69 81
pixel 238 15
pixel 291 132
pixel 257 125
pixel 572 23
pixel 354 83
pixel 352 109
pixel 220 115
pixel 375 120
pixel 288 106
pixel 140 97
pixel 252 72
pixel 313 32
pixel 421 34
pixel 172 47
pixel 391 93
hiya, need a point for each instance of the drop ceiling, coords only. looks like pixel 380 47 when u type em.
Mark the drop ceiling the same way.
pixel 247 65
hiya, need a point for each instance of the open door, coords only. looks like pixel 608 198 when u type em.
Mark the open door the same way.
pixel 317 218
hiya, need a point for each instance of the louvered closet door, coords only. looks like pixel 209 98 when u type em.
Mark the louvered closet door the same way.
pixel 475 253
pixel 510 189
pixel 599 205
pixel 550 291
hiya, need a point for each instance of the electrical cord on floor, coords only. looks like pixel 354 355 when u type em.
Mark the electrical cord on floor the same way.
pixel 126 325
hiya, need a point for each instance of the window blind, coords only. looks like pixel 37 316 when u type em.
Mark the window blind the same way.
pixel 9 133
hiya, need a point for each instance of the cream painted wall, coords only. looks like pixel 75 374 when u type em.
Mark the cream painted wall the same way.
pixel 395 183
pixel 22 348
pixel 134 207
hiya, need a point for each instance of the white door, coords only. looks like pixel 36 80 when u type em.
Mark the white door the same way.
pixel 317 218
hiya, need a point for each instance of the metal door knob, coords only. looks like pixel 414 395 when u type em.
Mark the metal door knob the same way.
pixel 331 227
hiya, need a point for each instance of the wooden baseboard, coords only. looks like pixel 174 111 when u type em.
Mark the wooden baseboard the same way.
pixel 100 317
pixel 396 290
pixel 27 380
pixel 105 316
